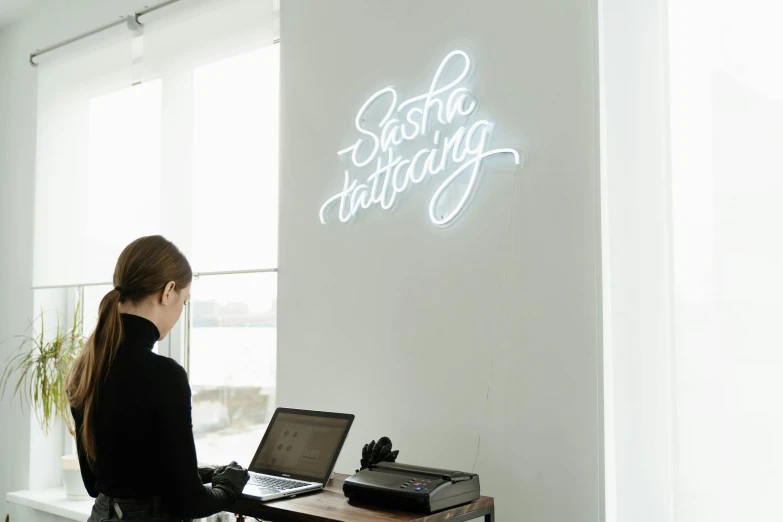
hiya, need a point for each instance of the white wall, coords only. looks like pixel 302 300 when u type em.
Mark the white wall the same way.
pixel 487 333
pixel 17 145
pixel 19 467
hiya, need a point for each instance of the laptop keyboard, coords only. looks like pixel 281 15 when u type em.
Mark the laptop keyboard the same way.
pixel 279 484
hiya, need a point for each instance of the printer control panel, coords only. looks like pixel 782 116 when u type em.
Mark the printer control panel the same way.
pixel 404 483
pixel 420 485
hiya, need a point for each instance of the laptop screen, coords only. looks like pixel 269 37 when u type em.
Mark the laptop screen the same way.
pixel 302 444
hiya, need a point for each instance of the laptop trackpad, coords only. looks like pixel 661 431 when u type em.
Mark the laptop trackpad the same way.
pixel 254 491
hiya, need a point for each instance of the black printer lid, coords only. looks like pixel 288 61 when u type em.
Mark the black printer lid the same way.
pixel 395 467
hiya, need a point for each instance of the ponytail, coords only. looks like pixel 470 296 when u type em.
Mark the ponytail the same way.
pixel 92 366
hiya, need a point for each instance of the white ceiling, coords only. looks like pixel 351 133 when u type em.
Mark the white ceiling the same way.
pixel 13 10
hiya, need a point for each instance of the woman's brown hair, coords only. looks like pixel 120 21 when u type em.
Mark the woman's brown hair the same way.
pixel 144 268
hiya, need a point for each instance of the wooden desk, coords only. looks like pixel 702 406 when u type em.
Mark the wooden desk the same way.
pixel 331 505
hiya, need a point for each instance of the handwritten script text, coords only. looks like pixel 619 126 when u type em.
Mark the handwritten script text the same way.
pixel 423 118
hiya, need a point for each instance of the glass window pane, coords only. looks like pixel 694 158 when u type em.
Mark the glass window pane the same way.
pixel 235 124
pixel 233 363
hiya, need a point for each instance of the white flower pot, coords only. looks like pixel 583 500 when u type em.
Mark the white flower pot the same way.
pixel 72 479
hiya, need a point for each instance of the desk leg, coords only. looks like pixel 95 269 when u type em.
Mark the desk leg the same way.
pixel 490 516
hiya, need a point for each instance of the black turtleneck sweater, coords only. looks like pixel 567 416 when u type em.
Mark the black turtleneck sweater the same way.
pixel 143 430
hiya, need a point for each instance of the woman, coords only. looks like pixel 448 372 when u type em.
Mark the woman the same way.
pixel 132 407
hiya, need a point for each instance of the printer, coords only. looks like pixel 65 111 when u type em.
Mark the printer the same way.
pixel 411 488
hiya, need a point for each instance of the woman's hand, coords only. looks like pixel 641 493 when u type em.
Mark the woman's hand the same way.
pixel 231 478
pixel 207 472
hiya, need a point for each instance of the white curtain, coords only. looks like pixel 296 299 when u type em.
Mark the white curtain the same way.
pixel 727 189
pixel 172 130
pixel 693 121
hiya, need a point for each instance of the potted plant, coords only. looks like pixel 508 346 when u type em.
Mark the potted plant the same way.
pixel 39 367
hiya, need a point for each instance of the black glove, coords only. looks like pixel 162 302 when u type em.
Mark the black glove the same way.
pixel 373 453
pixel 231 479
pixel 205 473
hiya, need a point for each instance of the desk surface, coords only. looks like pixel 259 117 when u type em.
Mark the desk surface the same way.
pixel 331 505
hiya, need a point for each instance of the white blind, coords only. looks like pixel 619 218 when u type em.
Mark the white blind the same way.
pixel 220 121
pixel 81 215
pixel 190 152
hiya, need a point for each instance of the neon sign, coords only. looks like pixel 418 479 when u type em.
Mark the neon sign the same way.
pixel 462 152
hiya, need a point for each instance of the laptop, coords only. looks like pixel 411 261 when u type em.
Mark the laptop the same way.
pixel 297 454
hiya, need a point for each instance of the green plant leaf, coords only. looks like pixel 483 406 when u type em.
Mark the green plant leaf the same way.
pixel 40 366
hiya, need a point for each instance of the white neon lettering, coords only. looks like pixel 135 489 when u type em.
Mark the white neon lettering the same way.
pixel 430 96
pixel 452 144
pixel 416 125
pixel 459 146
pixel 476 163
pixel 391 164
pixel 362 201
pixel 414 163
pixel 406 178
pixel 358 122
pixel 430 166
pixel 375 195
pixel 391 134
pixel 456 104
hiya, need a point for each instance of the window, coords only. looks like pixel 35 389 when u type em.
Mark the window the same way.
pixel 189 151
pixel 228 334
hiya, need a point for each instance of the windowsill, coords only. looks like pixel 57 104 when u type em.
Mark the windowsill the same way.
pixel 53 501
